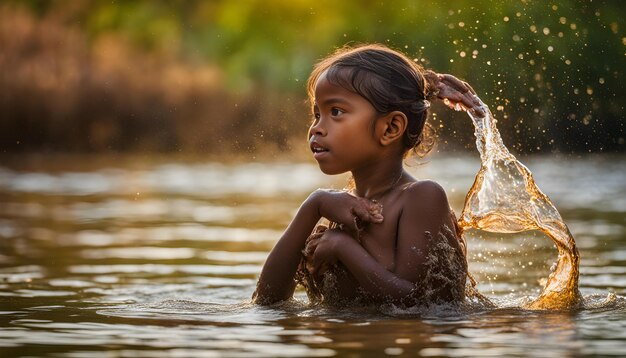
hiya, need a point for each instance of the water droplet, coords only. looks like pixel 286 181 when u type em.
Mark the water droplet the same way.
pixel 614 27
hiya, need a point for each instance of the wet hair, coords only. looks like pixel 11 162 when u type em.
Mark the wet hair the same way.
pixel 388 80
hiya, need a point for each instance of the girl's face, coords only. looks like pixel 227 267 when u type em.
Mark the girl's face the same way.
pixel 341 136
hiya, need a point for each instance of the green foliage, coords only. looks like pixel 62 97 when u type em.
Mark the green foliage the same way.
pixel 543 67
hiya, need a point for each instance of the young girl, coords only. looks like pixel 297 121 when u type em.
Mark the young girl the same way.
pixel 392 238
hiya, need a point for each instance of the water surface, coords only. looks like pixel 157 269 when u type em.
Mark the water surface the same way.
pixel 116 258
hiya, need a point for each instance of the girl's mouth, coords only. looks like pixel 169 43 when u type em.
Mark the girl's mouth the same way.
pixel 318 150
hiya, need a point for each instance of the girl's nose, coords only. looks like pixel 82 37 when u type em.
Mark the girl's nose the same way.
pixel 317 129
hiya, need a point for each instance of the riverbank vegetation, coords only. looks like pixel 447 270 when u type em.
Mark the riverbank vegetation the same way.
pixel 228 76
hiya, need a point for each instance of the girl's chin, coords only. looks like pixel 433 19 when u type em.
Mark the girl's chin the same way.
pixel 330 171
pixel 328 166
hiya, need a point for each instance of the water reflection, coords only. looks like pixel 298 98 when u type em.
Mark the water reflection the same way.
pixel 162 260
pixel 196 180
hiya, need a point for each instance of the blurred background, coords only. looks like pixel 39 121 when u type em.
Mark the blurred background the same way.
pixel 215 78
pixel 152 152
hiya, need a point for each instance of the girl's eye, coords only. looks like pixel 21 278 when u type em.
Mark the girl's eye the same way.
pixel 316 115
pixel 336 112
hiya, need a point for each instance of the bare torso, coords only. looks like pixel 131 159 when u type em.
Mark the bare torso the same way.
pixel 339 286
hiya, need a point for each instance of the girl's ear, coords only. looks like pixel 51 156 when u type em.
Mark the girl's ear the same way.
pixel 391 127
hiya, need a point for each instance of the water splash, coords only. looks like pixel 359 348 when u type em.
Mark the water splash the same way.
pixel 505 199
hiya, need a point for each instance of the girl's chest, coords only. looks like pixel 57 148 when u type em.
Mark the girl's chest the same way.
pixel 380 239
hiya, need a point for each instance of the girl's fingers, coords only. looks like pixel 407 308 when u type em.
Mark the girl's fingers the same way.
pixel 469 88
pixel 310 247
pixel 367 211
pixel 316 266
pixel 311 244
pixel 459 95
pixel 454 83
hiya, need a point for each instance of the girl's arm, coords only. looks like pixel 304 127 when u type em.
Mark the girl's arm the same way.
pixel 276 282
pixel 426 210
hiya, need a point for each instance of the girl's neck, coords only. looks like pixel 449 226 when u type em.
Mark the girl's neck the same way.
pixel 374 181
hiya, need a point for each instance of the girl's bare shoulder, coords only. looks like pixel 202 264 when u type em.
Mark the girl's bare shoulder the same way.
pixel 424 194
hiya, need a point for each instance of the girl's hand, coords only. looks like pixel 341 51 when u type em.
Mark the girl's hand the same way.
pixel 321 250
pixel 455 93
pixel 347 210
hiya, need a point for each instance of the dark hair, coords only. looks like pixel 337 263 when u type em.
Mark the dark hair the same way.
pixel 388 80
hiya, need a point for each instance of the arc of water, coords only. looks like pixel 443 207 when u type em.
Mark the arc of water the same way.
pixel 505 199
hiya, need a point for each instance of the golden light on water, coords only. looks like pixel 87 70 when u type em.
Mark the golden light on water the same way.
pixel 505 199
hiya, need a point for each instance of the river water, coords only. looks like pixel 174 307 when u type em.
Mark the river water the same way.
pixel 130 258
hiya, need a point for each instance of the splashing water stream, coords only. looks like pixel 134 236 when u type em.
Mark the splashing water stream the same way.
pixel 505 199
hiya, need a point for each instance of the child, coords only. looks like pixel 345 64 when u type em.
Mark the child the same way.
pixel 392 238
